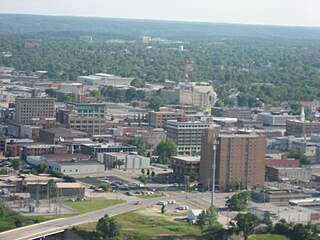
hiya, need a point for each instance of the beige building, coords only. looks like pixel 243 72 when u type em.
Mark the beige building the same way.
pixel 29 108
pixel 186 134
pixel 239 158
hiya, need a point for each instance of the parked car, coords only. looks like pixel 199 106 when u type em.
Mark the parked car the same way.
pixel 162 203
pixel 138 203
pixel 171 201
pixel 130 193
pixel 182 207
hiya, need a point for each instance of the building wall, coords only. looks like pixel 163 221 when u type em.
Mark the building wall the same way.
pixel 274 120
pixel 301 129
pixel 187 135
pixel 238 158
pixel 28 108
pixel 78 168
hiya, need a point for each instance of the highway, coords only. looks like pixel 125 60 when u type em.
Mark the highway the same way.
pixel 47 228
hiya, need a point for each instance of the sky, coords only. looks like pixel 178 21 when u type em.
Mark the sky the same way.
pixel 269 12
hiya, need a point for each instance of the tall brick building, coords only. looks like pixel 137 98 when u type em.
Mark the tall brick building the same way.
pixel 239 158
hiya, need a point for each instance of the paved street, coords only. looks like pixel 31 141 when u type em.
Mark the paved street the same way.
pixel 38 230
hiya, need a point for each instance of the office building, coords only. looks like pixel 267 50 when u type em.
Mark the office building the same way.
pixel 186 134
pixel 29 108
pixel 239 158
pixel 300 128
pixel 87 117
pixel 94 149
pixel 184 165
pixel 156 119
pixel 269 119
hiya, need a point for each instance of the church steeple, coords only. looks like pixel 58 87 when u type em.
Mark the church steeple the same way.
pixel 302 115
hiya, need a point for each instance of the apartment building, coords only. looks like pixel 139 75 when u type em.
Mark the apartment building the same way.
pixel 239 158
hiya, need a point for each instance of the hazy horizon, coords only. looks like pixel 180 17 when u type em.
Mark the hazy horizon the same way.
pixel 280 13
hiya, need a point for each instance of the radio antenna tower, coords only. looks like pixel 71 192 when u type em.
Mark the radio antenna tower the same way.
pixel 188 69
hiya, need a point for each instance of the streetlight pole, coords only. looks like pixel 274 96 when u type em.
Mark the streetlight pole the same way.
pixel 214 148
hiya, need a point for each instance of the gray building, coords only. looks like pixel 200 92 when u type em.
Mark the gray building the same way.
pixel 130 161
pixel 68 167
pixel 274 120
pixel 94 149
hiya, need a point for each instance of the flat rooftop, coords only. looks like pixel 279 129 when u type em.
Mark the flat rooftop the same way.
pixel 187 158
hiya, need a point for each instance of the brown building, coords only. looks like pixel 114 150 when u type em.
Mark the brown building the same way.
pixel 53 135
pixel 299 128
pixel 156 119
pixel 28 108
pixel 183 165
pixel 239 158
pixel 37 149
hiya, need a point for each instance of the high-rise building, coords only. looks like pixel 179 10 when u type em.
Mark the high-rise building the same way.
pixel 186 134
pixel 239 159
pixel 29 108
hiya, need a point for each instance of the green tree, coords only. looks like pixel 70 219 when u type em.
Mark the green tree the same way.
pixel 193 176
pixel 138 83
pixel 246 223
pixel 143 177
pixel 139 143
pixel 208 217
pixel 52 188
pixel 268 219
pixel 219 103
pixel 156 102
pixel 239 201
pixel 108 228
pixel 42 168
pixel 16 164
pixel 70 97
pixel 51 92
pixel 118 163
pixel 165 150
pixel 96 94
pixel 300 156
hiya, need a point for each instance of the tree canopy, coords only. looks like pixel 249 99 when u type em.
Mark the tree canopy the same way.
pixel 166 149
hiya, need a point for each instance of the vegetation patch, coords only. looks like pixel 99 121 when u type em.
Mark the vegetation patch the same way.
pixel 89 206
pixel 268 237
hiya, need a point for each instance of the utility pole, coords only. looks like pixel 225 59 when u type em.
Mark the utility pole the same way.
pixel 214 148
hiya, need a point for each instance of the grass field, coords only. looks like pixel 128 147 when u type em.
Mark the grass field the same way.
pixel 138 226
pixel 147 196
pixel 89 206
pixel 269 237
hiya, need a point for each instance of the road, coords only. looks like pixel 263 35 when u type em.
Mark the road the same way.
pixel 54 226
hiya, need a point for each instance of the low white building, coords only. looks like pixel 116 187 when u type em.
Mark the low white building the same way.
pixel 193 215
pixel 130 161
pixel 289 213
pixel 71 167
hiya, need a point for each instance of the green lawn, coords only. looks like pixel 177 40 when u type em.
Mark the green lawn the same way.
pixel 89 206
pixel 137 226
pixel 147 196
pixel 269 237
